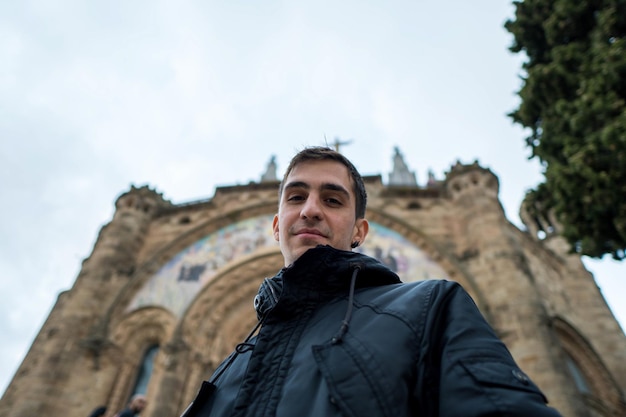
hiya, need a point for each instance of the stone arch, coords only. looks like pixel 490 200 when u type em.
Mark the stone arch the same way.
pixel 178 280
pixel 151 266
pixel 223 300
pixel 221 314
pixel 605 398
pixel 227 299
pixel 447 262
pixel 131 337
pixel 165 254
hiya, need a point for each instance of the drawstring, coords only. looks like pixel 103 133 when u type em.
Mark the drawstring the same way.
pixel 240 348
pixel 246 346
pixel 346 321
pixel 208 388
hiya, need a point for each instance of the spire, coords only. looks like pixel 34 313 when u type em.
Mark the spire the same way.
pixel 270 171
pixel 401 174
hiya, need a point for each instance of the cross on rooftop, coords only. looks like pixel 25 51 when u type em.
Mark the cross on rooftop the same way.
pixel 339 143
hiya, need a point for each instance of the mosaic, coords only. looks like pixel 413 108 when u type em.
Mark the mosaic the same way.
pixel 176 284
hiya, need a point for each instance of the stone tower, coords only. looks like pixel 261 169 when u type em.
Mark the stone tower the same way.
pixel 167 293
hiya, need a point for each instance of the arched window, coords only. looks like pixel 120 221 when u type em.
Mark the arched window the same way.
pixel 592 379
pixel 579 378
pixel 145 370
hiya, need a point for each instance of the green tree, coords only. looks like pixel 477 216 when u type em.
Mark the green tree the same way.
pixel 573 103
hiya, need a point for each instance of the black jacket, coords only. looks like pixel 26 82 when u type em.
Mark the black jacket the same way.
pixel 342 336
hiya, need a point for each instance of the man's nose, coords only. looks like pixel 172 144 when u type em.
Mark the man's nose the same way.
pixel 312 209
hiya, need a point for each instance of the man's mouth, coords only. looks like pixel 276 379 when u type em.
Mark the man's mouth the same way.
pixel 309 232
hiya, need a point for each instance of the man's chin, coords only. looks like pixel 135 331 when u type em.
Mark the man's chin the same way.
pixel 305 248
pixel 295 254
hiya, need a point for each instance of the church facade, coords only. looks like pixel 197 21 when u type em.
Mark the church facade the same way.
pixel 168 291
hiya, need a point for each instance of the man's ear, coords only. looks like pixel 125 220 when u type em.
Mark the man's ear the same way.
pixel 361 227
pixel 275 227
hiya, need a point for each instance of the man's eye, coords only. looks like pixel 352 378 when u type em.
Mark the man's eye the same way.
pixel 295 197
pixel 333 201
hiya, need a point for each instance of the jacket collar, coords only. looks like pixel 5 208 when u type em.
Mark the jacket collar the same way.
pixel 319 274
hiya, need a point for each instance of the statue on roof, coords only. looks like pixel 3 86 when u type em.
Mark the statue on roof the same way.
pixel 401 174
pixel 432 181
pixel 270 171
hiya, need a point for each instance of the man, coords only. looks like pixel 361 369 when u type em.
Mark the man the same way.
pixel 137 403
pixel 340 335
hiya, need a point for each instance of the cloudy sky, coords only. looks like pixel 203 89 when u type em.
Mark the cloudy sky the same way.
pixel 189 95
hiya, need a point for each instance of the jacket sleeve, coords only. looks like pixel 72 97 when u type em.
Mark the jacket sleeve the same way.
pixel 464 368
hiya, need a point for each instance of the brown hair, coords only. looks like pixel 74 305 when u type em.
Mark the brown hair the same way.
pixel 322 153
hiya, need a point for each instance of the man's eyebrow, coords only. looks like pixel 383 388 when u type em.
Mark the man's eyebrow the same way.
pixel 297 184
pixel 335 187
pixel 326 186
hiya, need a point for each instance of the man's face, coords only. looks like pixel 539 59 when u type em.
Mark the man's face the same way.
pixel 317 207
